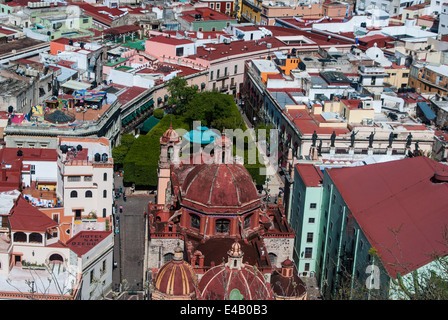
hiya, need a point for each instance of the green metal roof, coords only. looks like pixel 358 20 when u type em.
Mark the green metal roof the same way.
pixel 149 123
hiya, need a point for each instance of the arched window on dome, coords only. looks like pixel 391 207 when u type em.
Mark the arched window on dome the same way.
pixel 195 221
pixel 222 226
pixel 168 257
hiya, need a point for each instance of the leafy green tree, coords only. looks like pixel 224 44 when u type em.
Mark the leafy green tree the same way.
pixel 180 94
pixel 119 154
pixel 158 113
pixel 213 109
pixel 127 140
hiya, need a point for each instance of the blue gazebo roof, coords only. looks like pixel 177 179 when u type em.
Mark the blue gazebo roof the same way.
pixel 201 135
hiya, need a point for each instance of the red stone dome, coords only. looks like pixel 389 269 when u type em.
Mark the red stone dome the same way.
pixel 219 282
pixel 220 188
pixel 176 278
pixel 286 282
pixel 170 135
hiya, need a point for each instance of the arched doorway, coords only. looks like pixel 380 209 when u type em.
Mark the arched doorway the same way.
pixel 56 258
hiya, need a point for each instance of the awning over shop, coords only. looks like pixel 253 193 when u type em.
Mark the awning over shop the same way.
pixel 149 124
pixel 147 105
pixel 128 118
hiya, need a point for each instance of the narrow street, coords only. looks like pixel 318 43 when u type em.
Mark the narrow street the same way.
pixel 129 246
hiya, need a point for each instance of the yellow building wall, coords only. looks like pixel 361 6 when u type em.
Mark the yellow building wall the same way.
pixel 398 77
pixel 264 76
pixel 334 106
pixel 250 14
pixel 290 64
pixel 357 115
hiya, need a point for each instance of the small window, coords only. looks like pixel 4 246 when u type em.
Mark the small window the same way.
pixel 222 226
pixel 247 222
pixel 195 221
pixel 168 257
pixel 311 220
pixel 308 253
pixel 180 51
pixel 272 257
pixel 92 276
pixel 105 176
pixel 313 205
pixel 104 193
pixel 89 194
pixel 309 237
pixel 74 194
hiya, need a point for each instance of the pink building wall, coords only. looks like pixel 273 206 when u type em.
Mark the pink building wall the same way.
pixel 160 49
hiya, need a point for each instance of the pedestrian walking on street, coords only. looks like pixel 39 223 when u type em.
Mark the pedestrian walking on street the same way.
pixel 121 209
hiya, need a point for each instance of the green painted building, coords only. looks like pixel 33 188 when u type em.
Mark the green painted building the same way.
pixel 204 19
pixel 304 216
pixel 378 227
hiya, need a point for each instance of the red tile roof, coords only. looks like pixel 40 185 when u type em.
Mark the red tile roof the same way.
pixel 310 174
pixel 169 40
pixel 25 217
pixel 84 241
pixel 130 94
pixel 122 29
pixel 221 50
pixel 7 31
pixel 398 196
pixel 96 12
pixel 207 14
pixel 29 154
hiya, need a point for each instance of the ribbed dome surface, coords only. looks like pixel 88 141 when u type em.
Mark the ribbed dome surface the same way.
pixel 170 135
pixel 220 188
pixel 176 278
pixel 218 283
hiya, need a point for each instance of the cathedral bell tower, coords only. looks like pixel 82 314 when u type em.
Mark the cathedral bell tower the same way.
pixel 169 154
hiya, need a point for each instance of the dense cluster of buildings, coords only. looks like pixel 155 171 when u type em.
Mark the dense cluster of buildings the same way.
pixel 357 91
